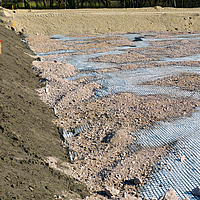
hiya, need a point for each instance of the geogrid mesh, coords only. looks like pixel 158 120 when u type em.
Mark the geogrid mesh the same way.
pixel 168 132
pixel 185 131
pixel 181 176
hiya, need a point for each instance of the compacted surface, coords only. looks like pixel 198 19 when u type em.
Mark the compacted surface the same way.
pixel 66 21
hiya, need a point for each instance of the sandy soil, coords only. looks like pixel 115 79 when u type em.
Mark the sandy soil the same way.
pixel 51 22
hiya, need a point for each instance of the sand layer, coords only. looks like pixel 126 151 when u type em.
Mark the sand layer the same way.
pixel 51 22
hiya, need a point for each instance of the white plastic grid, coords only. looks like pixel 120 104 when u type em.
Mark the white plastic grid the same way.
pixel 186 131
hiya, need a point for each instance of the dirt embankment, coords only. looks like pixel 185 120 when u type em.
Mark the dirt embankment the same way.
pixel 50 22
pixel 27 134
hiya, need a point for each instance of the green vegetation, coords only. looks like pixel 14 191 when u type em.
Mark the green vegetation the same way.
pixel 73 4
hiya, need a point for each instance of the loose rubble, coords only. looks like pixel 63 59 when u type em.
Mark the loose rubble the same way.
pixel 102 128
pixel 136 180
pixel 111 191
pixel 169 195
pixel 186 81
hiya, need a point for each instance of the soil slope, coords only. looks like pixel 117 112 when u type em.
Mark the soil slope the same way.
pixel 68 21
pixel 27 134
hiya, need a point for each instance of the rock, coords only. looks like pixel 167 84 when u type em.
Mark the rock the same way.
pixel 182 158
pixel 136 180
pixel 127 197
pixel 73 155
pixel 13 28
pixel 196 191
pixel 111 191
pixel 169 195
pixel 30 188
pixel 158 7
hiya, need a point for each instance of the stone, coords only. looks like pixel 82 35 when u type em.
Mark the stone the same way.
pixel 169 195
pixel 138 194
pixel 30 188
pixel 182 158
pixel 111 191
pixel 127 196
pixel 196 191
pixel 136 180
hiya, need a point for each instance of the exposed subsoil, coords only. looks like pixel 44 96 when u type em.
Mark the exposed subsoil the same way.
pixel 92 21
pixel 27 134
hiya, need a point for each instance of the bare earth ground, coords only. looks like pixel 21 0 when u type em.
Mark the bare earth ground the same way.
pixel 103 157
pixel 27 134
pixel 103 20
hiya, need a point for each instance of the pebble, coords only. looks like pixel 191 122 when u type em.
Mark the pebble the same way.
pixel 169 195
pixel 182 158
pixel 136 180
pixel 30 188
pixel 111 191
pixel 196 191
